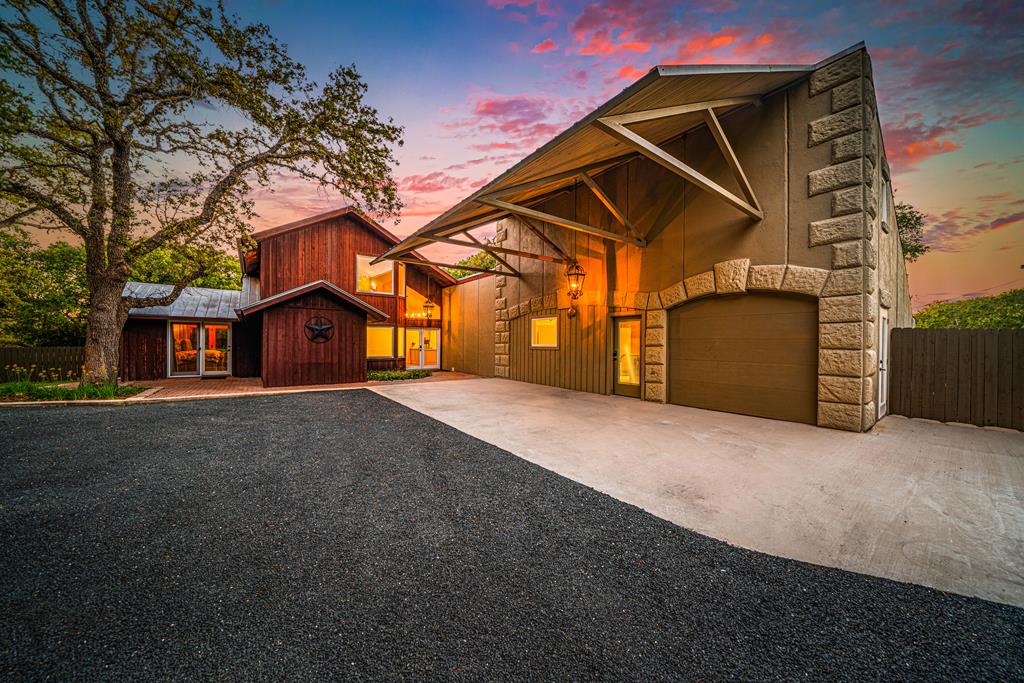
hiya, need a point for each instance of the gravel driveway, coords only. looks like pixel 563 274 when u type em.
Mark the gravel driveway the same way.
pixel 343 535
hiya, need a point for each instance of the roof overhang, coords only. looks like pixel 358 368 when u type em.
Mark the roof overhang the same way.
pixel 318 285
pixel 588 148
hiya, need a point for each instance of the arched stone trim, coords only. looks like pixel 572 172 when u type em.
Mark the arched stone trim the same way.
pixel 842 389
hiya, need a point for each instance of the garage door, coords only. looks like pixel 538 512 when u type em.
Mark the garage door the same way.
pixel 755 354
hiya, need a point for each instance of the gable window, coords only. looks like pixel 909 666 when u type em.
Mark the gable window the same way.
pixel 544 333
pixel 374 279
pixel 380 341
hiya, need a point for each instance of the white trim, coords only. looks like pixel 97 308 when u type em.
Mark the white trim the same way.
pixel 200 351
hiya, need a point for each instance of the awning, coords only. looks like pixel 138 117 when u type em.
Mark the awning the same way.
pixel 194 303
pixel 665 103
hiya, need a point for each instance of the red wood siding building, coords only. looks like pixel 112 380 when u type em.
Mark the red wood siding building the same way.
pixel 296 273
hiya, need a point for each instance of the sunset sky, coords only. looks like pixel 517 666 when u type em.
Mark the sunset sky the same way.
pixel 478 86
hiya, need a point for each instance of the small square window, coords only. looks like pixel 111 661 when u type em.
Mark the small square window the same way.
pixel 544 333
pixel 374 279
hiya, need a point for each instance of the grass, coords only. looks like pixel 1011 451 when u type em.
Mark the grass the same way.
pixel 26 390
pixel 395 375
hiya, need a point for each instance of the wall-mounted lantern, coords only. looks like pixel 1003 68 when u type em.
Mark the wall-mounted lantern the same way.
pixel 428 308
pixel 574 275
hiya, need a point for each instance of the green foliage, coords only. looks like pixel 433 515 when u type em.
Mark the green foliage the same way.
pixel 396 375
pixel 480 259
pixel 169 267
pixel 1002 311
pixel 43 292
pixel 33 384
pixel 910 225
pixel 138 126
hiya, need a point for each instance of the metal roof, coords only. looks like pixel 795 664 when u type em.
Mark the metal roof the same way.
pixel 585 146
pixel 195 303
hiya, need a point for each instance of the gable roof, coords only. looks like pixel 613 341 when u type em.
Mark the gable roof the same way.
pixel 317 285
pixel 351 212
pixel 194 303
pixel 584 147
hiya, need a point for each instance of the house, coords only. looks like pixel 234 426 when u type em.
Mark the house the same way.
pixel 713 236
pixel 314 308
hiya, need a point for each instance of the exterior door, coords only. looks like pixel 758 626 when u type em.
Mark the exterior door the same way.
pixel 216 349
pixel 883 362
pixel 422 348
pixel 753 354
pixel 627 361
pixel 199 349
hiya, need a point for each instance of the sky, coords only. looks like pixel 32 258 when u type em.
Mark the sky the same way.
pixel 479 85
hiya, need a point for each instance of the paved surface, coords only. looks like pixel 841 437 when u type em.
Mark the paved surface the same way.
pixel 316 536
pixel 939 505
pixel 221 387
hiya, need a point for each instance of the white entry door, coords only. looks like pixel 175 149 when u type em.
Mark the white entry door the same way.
pixel 883 362
pixel 422 348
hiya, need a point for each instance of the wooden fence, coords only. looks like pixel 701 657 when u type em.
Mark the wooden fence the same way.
pixel 63 358
pixel 971 376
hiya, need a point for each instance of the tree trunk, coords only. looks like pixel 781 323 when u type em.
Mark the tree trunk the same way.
pixel 104 324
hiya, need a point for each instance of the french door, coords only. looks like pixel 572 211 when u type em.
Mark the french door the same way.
pixel 199 349
pixel 422 348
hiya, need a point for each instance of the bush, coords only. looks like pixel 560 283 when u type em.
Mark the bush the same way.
pixel 1002 311
pixel 395 375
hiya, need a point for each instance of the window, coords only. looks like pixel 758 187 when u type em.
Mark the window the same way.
pixel 380 341
pixel 378 279
pixel 401 279
pixel 883 210
pixel 414 304
pixel 544 333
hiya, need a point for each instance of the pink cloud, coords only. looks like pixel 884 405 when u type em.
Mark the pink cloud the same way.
pixel 546 45
pixel 430 182
pixel 911 139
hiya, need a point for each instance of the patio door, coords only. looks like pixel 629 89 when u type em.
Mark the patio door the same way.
pixel 626 358
pixel 422 348
pixel 199 349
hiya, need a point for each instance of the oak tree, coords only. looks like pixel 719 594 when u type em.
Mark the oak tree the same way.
pixel 139 125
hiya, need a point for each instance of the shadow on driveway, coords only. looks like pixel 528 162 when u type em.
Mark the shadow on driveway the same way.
pixel 327 535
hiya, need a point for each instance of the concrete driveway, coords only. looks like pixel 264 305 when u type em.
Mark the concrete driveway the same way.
pixel 932 504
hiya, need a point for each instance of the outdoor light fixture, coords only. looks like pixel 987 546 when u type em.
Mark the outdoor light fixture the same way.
pixel 575 275
pixel 428 308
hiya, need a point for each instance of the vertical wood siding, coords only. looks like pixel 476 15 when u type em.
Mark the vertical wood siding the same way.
pixel 246 346
pixel 970 376
pixel 468 331
pixel 291 359
pixel 144 349
pixel 582 360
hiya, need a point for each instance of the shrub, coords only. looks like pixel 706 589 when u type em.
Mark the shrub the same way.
pixel 32 384
pixel 395 375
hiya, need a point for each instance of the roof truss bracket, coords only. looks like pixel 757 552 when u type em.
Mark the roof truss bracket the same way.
pixel 487 248
pixel 561 222
pixel 616 126
pixel 501 250
pixel 423 262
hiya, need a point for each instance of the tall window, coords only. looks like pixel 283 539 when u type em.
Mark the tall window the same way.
pixel 884 209
pixel 374 279
pixel 544 333
pixel 380 341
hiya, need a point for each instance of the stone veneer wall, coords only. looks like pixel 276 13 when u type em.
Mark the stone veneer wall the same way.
pixel 847 357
